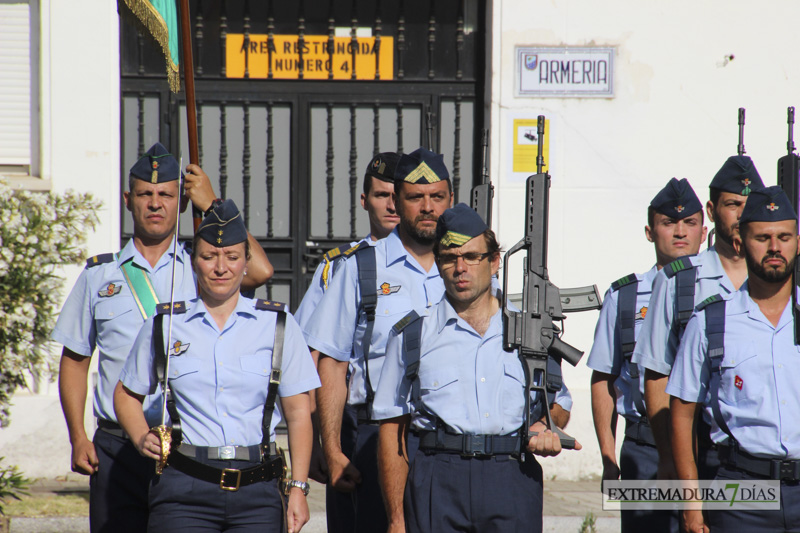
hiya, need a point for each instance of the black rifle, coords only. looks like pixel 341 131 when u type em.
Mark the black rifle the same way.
pixel 740 148
pixel 429 131
pixel 481 195
pixel 533 332
pixel 788 180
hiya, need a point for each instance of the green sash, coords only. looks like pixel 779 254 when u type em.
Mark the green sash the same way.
pixel 141 287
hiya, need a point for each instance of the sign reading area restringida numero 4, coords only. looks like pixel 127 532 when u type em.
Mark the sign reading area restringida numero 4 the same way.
pixel 568 71
pixel 288 56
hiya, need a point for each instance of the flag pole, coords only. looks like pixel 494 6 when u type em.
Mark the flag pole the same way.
pixel 191 108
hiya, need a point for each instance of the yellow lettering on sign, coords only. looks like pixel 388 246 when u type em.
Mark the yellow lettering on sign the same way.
pixel 316 64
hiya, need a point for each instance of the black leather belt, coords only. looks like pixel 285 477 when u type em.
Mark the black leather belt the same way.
pixel 362 415
pixel 252 454
pixel 640 432
pixel 230 479
pixel 782 469
pixel 468 445
pixel 111 427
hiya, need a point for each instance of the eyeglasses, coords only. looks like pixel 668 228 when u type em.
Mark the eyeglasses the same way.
pixel 470 258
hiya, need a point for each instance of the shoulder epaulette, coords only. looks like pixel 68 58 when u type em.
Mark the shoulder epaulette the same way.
pixel 683 263
pixel 330 255
pixel 99 260
pixel 360 246
pixel 624 280
pixel 177 308
pixel 708 301
pixel 405 321
pixel 267 305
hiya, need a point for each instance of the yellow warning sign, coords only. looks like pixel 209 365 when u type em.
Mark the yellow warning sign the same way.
pixel 526 145
pixel 315 57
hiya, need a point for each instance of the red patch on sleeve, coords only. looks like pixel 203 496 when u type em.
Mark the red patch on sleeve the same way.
pixel 738 382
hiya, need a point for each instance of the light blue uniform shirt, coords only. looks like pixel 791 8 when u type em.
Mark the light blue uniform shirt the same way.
pixel 220 382
pixel 337 326
pixel 760 372
pixel 317 288
pixel 467 381
pixel 110 323
pixel 658 340
pixel 606 355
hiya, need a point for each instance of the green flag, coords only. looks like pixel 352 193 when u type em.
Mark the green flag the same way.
pixel 160 19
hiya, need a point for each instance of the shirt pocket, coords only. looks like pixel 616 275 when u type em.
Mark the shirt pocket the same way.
pixel 181 366
pixel 259 365
pixel 738 382
pixel 391 305
pixel 113 307
pixel 440 393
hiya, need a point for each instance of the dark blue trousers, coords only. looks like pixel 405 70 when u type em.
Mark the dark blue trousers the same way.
pixel 757 521
pixel 639 461
pixel 361 511
pixel 118 490
pixel 179 502
pixel 449 493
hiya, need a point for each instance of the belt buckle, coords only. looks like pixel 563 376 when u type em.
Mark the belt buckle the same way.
pixel 226 452
pixel 225 486
pixel 474 447
pixel 788 470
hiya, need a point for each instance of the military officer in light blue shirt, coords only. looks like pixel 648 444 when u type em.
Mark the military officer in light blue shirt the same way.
pixel 738 360
pixel 675 227
pixel 405 277
pixel 108 304
pixel 683 284
pixel 229 360
pixel 378 201
pixel 451 380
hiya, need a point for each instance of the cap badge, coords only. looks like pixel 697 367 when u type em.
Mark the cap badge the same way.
pixel 679 208
pixel 773 207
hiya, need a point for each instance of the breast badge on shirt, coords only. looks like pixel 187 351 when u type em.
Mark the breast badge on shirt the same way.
pixel 738 382
pixel 110 290
pixel 642 313
pixel 388 289
pixel 178 348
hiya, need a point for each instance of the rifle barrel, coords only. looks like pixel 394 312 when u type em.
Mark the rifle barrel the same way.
pixel 740 148
pixel 485 166
pixel 790 121
pixel 540 156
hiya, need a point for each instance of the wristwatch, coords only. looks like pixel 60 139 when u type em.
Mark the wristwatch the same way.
pixel 215 203
pixel 302 485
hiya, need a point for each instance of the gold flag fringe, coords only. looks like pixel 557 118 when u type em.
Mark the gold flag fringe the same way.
pixel 152 21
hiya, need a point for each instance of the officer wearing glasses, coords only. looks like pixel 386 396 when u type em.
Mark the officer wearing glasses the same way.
pixel 447 377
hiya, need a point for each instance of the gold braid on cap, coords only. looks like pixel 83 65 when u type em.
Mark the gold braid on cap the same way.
pixel 165 436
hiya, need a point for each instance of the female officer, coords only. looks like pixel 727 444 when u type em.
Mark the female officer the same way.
pixel 224 472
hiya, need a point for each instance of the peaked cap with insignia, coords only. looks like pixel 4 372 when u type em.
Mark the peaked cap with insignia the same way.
pixel 223 226
pixel 738 175
pixel 459 225
pixel 383 166
pixel 421 166
pixel 157 165
pixel 676 200
pixel 768 205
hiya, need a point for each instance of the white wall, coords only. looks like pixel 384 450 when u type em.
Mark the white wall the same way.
pixel 80 134
pixel 674 114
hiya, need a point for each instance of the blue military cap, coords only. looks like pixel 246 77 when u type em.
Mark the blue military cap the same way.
pixel 157 165
pixel 223 226
pixel 383 166
pixel 769 204
pixel 738 175
pixel 676 200
pixel 421 166
pixel 458 225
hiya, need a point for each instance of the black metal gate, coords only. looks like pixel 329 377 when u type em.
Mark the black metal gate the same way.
pixel 292 152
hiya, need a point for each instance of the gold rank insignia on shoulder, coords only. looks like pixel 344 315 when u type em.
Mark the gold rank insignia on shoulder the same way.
pixel 388 289
pixel 178 348
pixel 110 290
pixel 267 305
pixel 177 308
